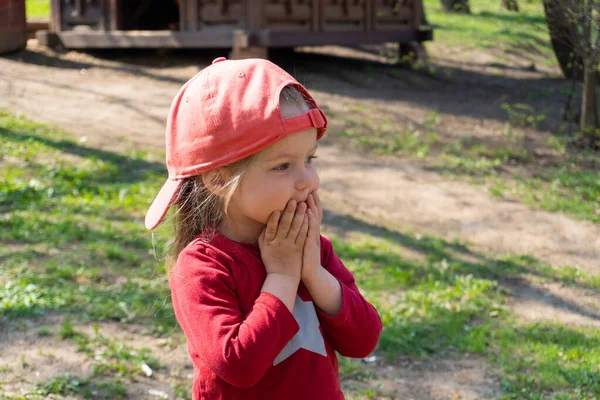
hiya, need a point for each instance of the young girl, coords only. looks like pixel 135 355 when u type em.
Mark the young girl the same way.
pixel 261 296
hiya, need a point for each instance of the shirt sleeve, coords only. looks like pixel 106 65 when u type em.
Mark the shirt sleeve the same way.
pixel 355 330
pixel 237 348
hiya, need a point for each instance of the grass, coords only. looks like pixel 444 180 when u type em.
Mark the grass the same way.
pixel 491 27
pixel 74 244
pixel 387 139
pixel 110 357
pixel 37 8
pixel 506 164
pixel 67 384
pixel 72 220
pixel 570 188
pixel 454 301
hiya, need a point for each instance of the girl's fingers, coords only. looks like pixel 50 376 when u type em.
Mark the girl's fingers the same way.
pixel 317 201
pixel 315 205
pixel 271 229
pixel 297 221
pixel 301 238
pixel 286 220
pixel 313 224
pixel 310 201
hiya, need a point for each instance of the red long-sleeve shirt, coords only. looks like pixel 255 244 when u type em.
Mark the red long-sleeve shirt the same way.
pixel 245 344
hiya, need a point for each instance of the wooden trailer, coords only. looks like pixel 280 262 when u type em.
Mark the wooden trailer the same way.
pixel 249 27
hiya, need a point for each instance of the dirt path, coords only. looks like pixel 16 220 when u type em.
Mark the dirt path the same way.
pixel 121 101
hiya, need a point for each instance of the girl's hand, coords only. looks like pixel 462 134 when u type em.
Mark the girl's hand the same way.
pixel 282 241
pixel 311 259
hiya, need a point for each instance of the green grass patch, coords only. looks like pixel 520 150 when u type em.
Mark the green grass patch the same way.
pixel 351 369
pixel 523 115
pixel 37 8
pixel 109 357
pixel 71 218
pixel 570 188
pixel 452 300
pixel 491 27
pixel 382 136
pixel 571 185
pixel 69 385
pixel 565 361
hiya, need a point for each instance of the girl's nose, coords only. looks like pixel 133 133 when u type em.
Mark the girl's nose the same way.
pixel 307 180
pixel 302 183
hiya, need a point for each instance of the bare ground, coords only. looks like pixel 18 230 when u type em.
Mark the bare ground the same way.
pixel 117 101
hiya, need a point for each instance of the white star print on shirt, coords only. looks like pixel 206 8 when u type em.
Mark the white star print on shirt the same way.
pixel 309 337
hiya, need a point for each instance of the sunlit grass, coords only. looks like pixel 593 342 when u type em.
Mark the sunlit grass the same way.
pixel 37 8
pixel 491 27
pixel 570 186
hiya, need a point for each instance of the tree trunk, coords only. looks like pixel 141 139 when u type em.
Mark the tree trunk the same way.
pixel 560 32
pixel 460 6
pixel 589 111
pixel 511 5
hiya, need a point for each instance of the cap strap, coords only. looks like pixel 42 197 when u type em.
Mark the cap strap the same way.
pixel 312 119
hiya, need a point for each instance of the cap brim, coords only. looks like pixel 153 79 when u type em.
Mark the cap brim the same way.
pixel 161 203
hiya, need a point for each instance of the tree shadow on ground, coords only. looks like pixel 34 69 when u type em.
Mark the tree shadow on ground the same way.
pixel 128 169
pixel 132 61
pixel 505 271
pixel 451 89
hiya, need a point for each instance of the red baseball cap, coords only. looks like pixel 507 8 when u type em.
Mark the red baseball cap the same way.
pixel 226 112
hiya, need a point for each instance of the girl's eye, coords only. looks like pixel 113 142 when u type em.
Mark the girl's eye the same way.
pixel 282 167
pixel 287 165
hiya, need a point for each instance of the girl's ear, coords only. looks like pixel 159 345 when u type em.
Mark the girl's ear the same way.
pixel 213 181
pixel 216 181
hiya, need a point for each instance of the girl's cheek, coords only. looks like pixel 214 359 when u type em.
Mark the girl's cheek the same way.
pixel 275 197
pixel 315 181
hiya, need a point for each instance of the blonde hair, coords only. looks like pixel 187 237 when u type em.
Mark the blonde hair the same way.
pixel 200 209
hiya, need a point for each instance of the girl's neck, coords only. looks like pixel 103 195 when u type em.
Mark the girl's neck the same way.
pixel 244 233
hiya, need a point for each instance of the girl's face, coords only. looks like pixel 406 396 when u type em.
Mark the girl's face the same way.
pixel 276 175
